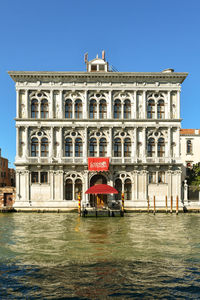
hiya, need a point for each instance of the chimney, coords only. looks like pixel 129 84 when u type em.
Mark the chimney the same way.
pixel 86 57
pixel 103 55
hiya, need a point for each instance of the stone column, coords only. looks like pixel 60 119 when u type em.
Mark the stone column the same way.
pixel 169 143
pixel 61 185
pixel 61 104
pixel 110 105
pixel 144 145
pixel 168 112
pixel 17 140
pixel 185 192
pixel 110 141
pixel 86 188
pixel 178 104
pixel 17 102
pixel 51 181
pixel 26 143
pixel 61 143
pixel 85 146
pixel 169 184
pixel 85 106
pixel 27 186
pixel 144 105
pixel 51 105
pixel 27 104
pixel 136 185
pixel 52 143
pixel 136 143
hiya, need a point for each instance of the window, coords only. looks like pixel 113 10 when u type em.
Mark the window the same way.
pixel 44 109
pixel 44 177
pixel 93 68
pixel 160 109
pixel 93 147
pixel 152 177
pixel 127 189
pixel 93 109
pixel 101 68
pixel 102 110
pixel 161 177
pixel 117 148
pixel 151 148
pixel 68 147
pixel 34 109
pixel 34 177
pixel 127 109
pixel 78 188
pixel 151 109
pixel 161 147
pixel 78 109
pixel 118 186
pixel 78 147
pixel 117 109
pixel 34 147
pixel 68 109
pixel 44 147
pixel 102 147
pixel 127 147
pixel 189 147
pixel 68 189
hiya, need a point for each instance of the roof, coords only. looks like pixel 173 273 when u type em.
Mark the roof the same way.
pixel 190 131
pixel 34 76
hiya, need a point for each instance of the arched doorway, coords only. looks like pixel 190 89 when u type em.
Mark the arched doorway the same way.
pixel 98 201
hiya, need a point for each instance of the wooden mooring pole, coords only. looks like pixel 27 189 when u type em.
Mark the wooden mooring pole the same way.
pixel 154 204
pixel 79 204
pixel 148 204
pixel 171 209
pixel 166 203
pixel 177 205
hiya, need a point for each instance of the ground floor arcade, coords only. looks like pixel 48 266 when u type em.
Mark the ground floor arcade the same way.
pixel 59 186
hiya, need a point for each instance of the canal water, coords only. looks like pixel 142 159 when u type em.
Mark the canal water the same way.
pixel 63 256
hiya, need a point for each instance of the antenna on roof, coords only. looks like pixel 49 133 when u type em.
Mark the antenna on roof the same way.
pixel 86 57
pixel 103 55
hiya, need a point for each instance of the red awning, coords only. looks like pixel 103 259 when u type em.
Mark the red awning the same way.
pixel 101 189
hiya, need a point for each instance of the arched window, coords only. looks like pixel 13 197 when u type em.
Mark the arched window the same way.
pixel 127 189
pixel 151 147
pixel 160 109
pixel 34 147
pixel 69 189
pixel 161 147
pixel 93 109
pixel 78 147
pixel 78 109
pixel 44 147
pixel 117 109
pixel 117 148
pixel 44 109
pixel 151 109
pixel 102 109
pixel 34 109
pixel 127 147
pixel 189 147
pixel 118 186
pixel 93 147
pixel 127 109
pixel 68 147
pixel 102 147
pixel 78 188
pixel 68 109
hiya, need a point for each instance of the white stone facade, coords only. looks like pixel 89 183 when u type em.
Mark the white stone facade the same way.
pixel 65 117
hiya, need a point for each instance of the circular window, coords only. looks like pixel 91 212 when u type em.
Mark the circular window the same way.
pixel 39 95
pixel 73 133
pixel 98 134
pixel 98 95
pixel 122 175
pixel 73 175
pixel 122 134
pixel 156 95
pixel 156 133
pixel 39 133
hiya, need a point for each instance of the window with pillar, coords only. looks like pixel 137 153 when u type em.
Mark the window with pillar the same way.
pixel 34 109
pixel 44 147
pixel 127 109
pixel 102 147
pixel 127 147
pixel 160 109
pixel 93 147
pixel 161 147
pixel 78 147
pixel 92 109
pixel 78 109
pixel 68 147
pixel 68 109
pixel 151 109
pixel 127 189
pixel 44 109
pixel 151 147
pixel 69 189
pixel 117 109
pixel 189 147
pixel 118 187
pixel 34 147
pixel 117 147
pixel 102 109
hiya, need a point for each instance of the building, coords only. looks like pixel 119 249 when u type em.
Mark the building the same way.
pixel 4 172
pixel 190 148
pixel 133 119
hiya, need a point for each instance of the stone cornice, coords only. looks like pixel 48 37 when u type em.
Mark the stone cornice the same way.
pixel 21 76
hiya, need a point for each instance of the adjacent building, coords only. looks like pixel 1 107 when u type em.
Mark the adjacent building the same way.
pixel 127 121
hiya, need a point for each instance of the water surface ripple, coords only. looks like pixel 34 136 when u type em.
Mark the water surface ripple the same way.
pixel 62 256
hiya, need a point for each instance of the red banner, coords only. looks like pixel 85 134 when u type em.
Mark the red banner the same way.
pixel 98 163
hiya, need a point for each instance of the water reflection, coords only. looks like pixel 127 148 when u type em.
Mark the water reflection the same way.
pixel 62 255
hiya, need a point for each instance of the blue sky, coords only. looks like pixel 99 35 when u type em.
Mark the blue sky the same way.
pixel 142 35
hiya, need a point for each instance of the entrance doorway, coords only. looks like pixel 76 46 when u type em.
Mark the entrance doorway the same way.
pixel 99 200
pixel 8 201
